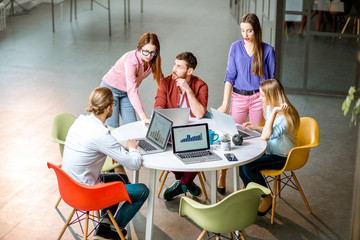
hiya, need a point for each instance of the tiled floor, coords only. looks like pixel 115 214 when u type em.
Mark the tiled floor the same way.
pixel 43 74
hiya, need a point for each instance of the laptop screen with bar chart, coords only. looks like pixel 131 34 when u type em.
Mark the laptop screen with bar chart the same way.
pixel 191 143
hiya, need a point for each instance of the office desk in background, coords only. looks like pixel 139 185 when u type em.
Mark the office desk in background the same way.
pixel 249 151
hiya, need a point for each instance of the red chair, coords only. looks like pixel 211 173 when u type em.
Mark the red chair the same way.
pixel 85 198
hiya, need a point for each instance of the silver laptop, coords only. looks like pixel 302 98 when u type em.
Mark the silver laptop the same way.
pixel 157 135
pixel 226 124
pixel 179 116
pixel 191 143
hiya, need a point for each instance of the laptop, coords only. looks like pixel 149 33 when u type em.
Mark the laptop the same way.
pixel 226 124
pixel 191 143
pixel 157 135
pixel 179 116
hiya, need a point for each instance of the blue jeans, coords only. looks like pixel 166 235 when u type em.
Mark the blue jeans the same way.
pixel 251 172
pixel 122 106
pixel 138 193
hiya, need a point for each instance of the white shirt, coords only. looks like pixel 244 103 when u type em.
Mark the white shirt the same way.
pixel 87 144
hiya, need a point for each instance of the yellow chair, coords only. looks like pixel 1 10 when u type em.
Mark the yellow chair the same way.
pixel 201 178
pixel 234 213
pixel 307 138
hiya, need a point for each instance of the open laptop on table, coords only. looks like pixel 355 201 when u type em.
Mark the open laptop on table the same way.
pixel 191 143
pixel 179 116
pixel 157 135
pixel 226 124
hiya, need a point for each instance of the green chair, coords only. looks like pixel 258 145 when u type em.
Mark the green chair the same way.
pixel 234 213
pixel 60 129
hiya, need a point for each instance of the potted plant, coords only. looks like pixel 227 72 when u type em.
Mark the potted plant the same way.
pixel 355 111
pixel 225 142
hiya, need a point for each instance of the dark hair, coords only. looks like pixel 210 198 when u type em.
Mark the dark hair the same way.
pixel 100 98
pixel 257 64
pixel 155 62
pixel 190 59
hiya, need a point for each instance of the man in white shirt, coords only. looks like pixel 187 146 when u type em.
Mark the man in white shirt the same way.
pixel 87 144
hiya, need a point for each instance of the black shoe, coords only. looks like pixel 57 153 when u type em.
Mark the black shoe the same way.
pixel 107 221
pixel 104 232
pixel 194 189
pixel 221 190
pixel 176 189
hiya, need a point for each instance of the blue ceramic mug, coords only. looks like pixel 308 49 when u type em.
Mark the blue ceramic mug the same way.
pixel 212 136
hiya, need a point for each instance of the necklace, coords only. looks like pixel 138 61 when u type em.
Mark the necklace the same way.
pixel 249 48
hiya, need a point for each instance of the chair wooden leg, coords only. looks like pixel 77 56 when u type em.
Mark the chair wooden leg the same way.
pixel 217 237
pixel 274 200
pixel 231 235
pixel 202 234
pixel 203 185
pixel 98 215
pixel 242 235
pixel 115 225
pixel 86 225
pixel 161 174
pixel 66 224
pixel 58 201
pixel 203 175
pixel 163 182
pixel 301 191
pixel 279 186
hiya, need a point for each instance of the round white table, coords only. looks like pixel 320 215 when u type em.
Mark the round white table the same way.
pixel 250 150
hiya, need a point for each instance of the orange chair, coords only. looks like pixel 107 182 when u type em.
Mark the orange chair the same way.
pixel 307 137
pixel 85 198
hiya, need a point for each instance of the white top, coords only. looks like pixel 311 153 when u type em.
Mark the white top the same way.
pixel 249 151
pixel 88 142
pixel 280 141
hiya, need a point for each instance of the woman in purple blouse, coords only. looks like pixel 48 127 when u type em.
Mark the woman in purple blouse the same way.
pixel 126 75
pixel 250 62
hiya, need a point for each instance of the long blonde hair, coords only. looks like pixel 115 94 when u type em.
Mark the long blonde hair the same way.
pixel 274 94
pixel 257 64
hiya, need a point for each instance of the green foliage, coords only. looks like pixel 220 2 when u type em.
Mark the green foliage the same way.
pixel 355 110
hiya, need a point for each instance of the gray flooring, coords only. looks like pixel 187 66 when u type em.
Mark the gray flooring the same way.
pixel 43 74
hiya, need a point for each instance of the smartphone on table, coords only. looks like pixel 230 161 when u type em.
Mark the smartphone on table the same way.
pixel 230 157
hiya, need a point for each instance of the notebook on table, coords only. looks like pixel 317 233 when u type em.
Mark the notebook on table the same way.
pixel 191 143
pixel 157 135
pixel 226 124
pixel 179 116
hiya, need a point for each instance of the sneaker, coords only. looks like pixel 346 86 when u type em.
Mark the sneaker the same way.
pixel 105 232
pixel 194 189
pixel 176 189
pixel 107 221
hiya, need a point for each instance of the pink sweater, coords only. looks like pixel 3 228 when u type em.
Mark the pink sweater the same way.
pixel 127 75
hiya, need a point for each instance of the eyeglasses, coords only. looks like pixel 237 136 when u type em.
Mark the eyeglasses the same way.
pixel 147 53
pixel 115 103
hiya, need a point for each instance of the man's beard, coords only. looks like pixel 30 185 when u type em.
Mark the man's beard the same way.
pixel 177 77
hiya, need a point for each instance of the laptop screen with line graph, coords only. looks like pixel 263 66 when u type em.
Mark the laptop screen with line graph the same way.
pixel 190 138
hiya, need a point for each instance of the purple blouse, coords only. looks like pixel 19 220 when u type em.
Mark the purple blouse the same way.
pixel 238 71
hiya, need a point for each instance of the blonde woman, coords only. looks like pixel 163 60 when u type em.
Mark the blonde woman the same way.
pixel 281 123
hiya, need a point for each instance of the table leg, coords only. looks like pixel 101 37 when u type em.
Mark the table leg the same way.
pixel 236 179
pixel 151 203
pixel 213 187
pixel 135 176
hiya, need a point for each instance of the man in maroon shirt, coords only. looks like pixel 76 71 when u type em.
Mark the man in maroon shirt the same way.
pixel 181 90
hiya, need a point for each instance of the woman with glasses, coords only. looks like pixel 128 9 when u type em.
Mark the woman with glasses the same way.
pixel 250 62
pixel 126 75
